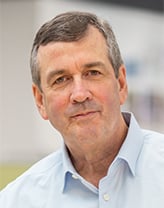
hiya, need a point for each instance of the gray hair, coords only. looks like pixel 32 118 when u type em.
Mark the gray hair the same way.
pixel 72 26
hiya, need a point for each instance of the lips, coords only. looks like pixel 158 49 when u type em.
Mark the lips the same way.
pixel 83 114
pixel 86 109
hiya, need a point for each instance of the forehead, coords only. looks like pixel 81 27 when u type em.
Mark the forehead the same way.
pixel 92 36
pixel 92 44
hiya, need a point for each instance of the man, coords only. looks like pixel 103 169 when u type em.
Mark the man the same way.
pixel 107 160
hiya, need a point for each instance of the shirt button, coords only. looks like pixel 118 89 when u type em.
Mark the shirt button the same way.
pixel 74 176
pixel 106 197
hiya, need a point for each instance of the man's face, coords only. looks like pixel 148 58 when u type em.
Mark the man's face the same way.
pixel 80 95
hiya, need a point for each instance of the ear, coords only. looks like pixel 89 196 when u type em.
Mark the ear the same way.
pixel 122 83
pixel 40 102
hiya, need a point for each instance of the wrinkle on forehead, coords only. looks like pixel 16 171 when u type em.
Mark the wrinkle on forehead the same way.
pixel 58 52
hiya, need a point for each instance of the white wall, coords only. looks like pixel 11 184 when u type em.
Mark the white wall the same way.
pixel 24 136
pixel 21 128
pixel 0 78
pixel 16 105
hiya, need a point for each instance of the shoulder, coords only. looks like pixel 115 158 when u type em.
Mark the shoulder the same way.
pixel 36 179
pixel 151 158
pixel 52 161
pixel 153 142
pixel 45 166
pixel 153 138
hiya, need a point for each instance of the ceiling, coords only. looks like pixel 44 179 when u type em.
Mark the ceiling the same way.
pixel 151 5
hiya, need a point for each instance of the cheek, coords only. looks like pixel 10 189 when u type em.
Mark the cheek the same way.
pixel 55 106
pixel 109 101
pixel 109 98
pixel 105 92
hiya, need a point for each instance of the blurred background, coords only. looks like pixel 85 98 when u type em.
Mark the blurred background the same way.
pixel 139 27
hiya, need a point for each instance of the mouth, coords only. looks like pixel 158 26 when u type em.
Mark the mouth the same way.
pixel 84 115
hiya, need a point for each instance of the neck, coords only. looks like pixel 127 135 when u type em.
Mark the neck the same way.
pixel 94 164
pixel 95 168
pixel 93 155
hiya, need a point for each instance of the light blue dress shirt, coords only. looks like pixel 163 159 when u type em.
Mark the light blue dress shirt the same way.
pixel 135 179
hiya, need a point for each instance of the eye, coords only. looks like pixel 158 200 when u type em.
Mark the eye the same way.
pixel 93 73
pixel 61 80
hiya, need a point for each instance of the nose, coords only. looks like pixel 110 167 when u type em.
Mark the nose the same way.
pixel 80 92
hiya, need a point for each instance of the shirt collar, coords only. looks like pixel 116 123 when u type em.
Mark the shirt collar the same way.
pixel 133 143
pixel 68 167
pixel 129 151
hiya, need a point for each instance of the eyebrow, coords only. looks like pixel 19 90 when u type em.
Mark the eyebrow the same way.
pixel 55 73
pixel 62 71
pixel 94 64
